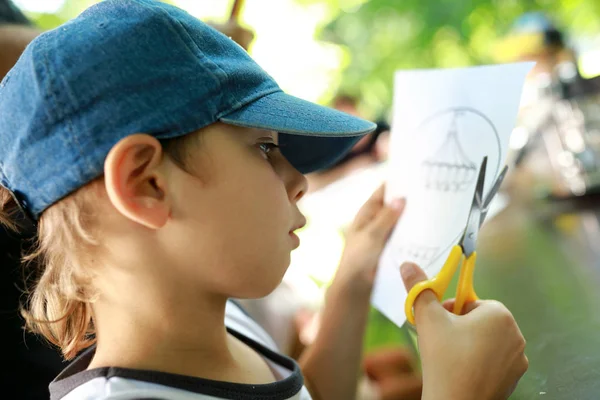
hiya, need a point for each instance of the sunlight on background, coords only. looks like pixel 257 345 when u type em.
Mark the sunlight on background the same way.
pixel 284 43
pixel 589 64
pixel 40 6
pixel 285 47
pixel 213 9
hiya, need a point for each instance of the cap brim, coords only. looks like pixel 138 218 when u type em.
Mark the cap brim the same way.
pixel 312 137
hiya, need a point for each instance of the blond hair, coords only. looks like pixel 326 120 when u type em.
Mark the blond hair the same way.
pixel 59 300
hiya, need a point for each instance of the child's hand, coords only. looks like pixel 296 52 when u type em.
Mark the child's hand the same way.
pixel 393 374
pixel 366 238
pixel 479 355
pixel 332 362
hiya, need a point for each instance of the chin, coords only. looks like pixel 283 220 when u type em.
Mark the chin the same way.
pixel 263 289
pixel 255 292
pixel 269 281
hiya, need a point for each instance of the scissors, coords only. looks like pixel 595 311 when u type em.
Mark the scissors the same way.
pixel 462 253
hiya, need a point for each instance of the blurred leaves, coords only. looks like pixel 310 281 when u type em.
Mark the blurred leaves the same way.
pixel 382 36
pixel 69 9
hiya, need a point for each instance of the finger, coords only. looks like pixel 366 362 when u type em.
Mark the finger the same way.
pixel 387 362
pixel 406 387
pixel 524 367
pixel 370 208
pixel 385 220
pixel 392 356
pixel 426 307
pixel 522 372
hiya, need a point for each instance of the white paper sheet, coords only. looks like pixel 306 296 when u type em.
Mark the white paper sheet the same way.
pixel 444 122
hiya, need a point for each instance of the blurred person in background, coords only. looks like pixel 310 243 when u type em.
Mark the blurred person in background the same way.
pixel 369 150
pixel 557 132
pixel 534 36
pixel 372 147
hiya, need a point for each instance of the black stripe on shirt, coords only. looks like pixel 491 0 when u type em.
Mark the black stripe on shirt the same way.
pixel 76 375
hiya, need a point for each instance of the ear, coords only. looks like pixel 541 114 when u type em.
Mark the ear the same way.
pixel 134 181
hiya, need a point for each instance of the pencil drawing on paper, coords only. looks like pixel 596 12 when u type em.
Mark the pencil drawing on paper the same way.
pixel 420 254
pixel 450 168
pixel 466 136
pixel 423 255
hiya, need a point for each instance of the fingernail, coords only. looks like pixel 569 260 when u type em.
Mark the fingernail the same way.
pixel 408 271
pixel 397 204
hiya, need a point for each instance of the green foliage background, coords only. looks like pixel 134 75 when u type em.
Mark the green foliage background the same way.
pixel 381 36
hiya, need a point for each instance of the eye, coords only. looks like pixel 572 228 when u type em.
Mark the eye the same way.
pixel 267 147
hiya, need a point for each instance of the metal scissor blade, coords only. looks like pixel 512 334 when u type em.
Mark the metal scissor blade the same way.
pixel 492 193
pixel 469 239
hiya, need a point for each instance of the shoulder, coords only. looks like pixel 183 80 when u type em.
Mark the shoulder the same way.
pixel 77 382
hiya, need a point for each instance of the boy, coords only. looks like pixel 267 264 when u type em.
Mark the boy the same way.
pixel 161 165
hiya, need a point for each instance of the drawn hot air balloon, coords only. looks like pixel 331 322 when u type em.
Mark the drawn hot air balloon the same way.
pixel 449 169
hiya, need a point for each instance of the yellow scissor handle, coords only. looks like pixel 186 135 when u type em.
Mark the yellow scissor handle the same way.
pixel 438 284
pixel 465 292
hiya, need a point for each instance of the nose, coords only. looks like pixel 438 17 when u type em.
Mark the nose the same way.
pixel 296 184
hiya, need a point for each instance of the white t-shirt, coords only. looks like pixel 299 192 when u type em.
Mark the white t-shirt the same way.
pixel 77 383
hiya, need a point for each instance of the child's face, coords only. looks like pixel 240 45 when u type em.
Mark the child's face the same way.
pixel 233 213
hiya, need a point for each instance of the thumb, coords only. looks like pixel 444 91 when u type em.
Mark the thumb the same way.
pixel 427 308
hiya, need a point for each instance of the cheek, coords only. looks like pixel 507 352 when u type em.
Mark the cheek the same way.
pixel 248 263
pixel 244 239
pixel 259 236
pixel 258 202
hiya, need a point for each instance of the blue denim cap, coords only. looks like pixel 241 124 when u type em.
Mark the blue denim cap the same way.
pixel 130 66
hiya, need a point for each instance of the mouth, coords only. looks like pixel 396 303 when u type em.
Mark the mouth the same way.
pixel 293 236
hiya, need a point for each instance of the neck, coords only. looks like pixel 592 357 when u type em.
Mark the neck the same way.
pixel 174 331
